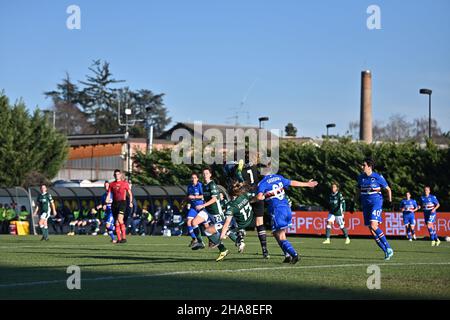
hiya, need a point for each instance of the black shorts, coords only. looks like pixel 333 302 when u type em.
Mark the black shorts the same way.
pixel 119 207
pixel 258 208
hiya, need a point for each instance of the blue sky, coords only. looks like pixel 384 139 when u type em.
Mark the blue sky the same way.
pixel 303 57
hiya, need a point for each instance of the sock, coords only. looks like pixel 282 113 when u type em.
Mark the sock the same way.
pixel 44 232
pixel 408 232
pixel 72 228
pixel 345 232
pixel 198 234
pixel 286 254
pixel 431 231
pixel 118 232
pixel 191 232
pixel 233 236
pixel 413 231
pixel 262 237
pixel 111 232
pixel 328 232
pixel 382 238
pixel 215 238
pixel 378 242
pixel 123 230
pixel 286 246
pixel 434 235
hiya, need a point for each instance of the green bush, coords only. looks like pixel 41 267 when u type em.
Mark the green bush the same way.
pixel 406 167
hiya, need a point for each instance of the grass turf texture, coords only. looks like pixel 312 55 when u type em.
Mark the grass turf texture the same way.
pixel 165 268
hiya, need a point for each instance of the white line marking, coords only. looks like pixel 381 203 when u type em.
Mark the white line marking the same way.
pixel 176 273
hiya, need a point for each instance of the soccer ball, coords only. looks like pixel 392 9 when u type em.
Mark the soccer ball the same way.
pixel 447 238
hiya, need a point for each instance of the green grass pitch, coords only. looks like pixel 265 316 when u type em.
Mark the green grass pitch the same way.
pixel 165 268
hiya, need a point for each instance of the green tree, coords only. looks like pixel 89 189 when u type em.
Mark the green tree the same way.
pixel 29 145
pixel 69 119
pixel 98 98
pixel 94 105
pixel 406 166
pixel 290 130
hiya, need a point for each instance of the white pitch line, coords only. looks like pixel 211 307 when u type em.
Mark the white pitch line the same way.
pixel 193 272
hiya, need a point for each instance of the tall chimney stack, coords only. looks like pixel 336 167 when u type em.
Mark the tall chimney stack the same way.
pixel 365 124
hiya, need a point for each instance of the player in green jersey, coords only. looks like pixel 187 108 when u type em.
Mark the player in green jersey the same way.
pixel 45 205
pixel 240 209
pixel 336 213
pixel 214 218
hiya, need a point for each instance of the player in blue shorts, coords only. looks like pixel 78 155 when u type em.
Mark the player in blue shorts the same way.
pixel 370 184
pixel 195 196
pixel 409 207
pixel 429 205
pixel 106 206
pixel 272 189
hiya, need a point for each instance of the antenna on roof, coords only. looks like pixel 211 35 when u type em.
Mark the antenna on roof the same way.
pixel 239 110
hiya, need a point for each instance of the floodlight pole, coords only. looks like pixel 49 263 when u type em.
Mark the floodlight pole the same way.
pixel 127 124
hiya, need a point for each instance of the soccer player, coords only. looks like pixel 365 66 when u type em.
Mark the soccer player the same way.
pixel 409 207
pixel 370 184
pixel 195 196
pixel 429 205
pixel 118 190
pixel 272 189
pixel 45 205
pixel 213 225
pixel 239 211
pixel 337 209
pixel 249 173
pixel 107 208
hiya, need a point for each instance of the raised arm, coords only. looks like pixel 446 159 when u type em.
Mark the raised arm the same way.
pixel 310 184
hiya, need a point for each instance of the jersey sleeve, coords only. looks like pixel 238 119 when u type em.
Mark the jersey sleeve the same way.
pixel 230 211
pixel 215 190
pixel 286 182
pixel 261 187
pixel 50 198
pixel 382 182
pixel 342 202
pixel 435 200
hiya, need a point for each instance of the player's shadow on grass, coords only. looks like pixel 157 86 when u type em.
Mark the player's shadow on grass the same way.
pixel 219 286
pixel 130 260
pixel 334 258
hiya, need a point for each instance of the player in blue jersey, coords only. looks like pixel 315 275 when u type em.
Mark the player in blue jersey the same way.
pixel 272 189
pixel 195 196
pixel 106 206
pixel 429 205
pixel 370 184
pixel 409 207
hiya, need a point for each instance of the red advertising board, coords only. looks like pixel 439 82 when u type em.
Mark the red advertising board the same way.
pixel 313 222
